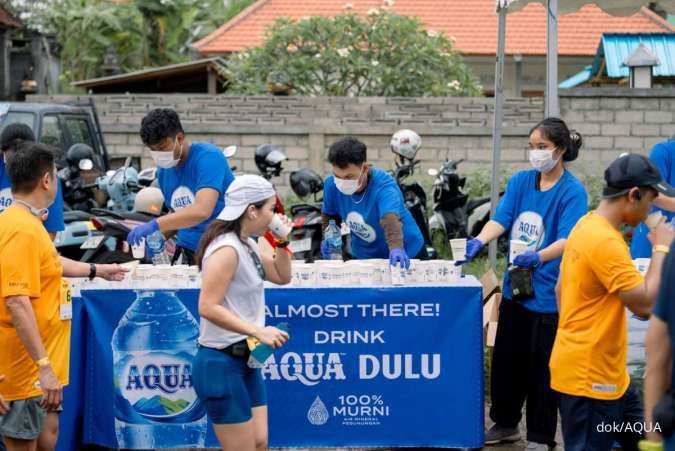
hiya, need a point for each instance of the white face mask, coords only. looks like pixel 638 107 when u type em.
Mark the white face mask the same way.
pixel 165 159
pixel 348 187
pixel 542 160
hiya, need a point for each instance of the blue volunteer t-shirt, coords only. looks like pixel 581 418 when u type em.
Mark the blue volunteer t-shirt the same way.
pixel 541 218
pixel 206 167
pixel 663 156
pixel 362 212
pixel 54 222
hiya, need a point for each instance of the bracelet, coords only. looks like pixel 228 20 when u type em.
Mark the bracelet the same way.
pixel 660 248
pixel 646 445
pixel 92 271
pixel 43 362
pixel 282 244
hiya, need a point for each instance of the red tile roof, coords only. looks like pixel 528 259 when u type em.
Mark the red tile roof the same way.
pixel 7 20
pixel 472 24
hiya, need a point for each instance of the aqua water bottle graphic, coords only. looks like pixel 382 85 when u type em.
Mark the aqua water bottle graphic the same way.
pixel 153 348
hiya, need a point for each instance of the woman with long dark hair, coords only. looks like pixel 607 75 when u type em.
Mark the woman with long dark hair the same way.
pixel 540 207
pixel 232 309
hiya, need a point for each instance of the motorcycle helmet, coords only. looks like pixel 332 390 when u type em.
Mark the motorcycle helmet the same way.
pixel 305 182
pixel 405 143
pixel 268 159
pixel 78 152
pixel 149 200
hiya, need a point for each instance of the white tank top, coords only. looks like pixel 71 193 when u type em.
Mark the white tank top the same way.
pixel 244 297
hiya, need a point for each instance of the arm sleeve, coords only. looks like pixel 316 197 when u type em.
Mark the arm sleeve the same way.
pixel 20 266
pixel 213 171
pixel 393 230
pixel 574 207
pixel 612 265
pixel 54 222
pixel 506 208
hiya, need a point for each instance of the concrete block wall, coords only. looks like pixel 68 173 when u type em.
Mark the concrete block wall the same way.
pixel 610 120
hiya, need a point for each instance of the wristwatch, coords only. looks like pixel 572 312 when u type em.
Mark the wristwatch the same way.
pixel 660 248
pixel 92 271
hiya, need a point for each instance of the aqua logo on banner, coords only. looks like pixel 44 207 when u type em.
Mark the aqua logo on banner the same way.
pixel 317 413
pixel 155 402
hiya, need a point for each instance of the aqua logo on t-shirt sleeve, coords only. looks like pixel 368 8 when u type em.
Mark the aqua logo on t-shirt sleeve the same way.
pixel 529 227
pixel 6 199
pixel 360 228
pixel 182 197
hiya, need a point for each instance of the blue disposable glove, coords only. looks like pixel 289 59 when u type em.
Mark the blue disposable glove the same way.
pixel 473 247
pixel 141 231
pixel 325 250
pixel 529 259
pixel 398 255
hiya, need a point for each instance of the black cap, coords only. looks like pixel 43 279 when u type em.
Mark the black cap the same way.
pixel 633 170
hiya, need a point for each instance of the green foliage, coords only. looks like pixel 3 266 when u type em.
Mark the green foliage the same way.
pixel 143 33
pixel 478 181
pixel 593 184
pixel 383 54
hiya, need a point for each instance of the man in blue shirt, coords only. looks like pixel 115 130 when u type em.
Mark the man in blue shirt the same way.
pixel 370 202
pixel 13 136
pixel 663 156
pixel 193 178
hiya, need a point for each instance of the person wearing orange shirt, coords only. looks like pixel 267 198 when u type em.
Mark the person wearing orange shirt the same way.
pixel 597 282
pixel 34 307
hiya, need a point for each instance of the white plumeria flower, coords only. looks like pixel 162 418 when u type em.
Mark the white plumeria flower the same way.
pixel 432 33
pixel 375 63
pixel 373 12
pixel 343 52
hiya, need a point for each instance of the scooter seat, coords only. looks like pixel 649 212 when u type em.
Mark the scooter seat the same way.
pixel 76 215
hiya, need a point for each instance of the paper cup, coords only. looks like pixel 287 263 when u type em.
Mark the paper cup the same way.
pixel 458 247
pixel 398 275
pixel 278 227
pixel 654 219
pixel 354 268
pixel 138 251
pixel 517 248
pixel 367 273
pixel 642 264
pixel 451 273
pixel 324 274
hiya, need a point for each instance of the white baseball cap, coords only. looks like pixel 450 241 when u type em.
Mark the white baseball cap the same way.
pixel 245 190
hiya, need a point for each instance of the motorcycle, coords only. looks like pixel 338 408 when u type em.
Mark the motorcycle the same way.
pixel 79 198
pixel 455 215
pixel 405 144
pixel 307 222
pixel 107 244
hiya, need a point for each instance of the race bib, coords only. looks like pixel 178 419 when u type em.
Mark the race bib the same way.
pixel 66 301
